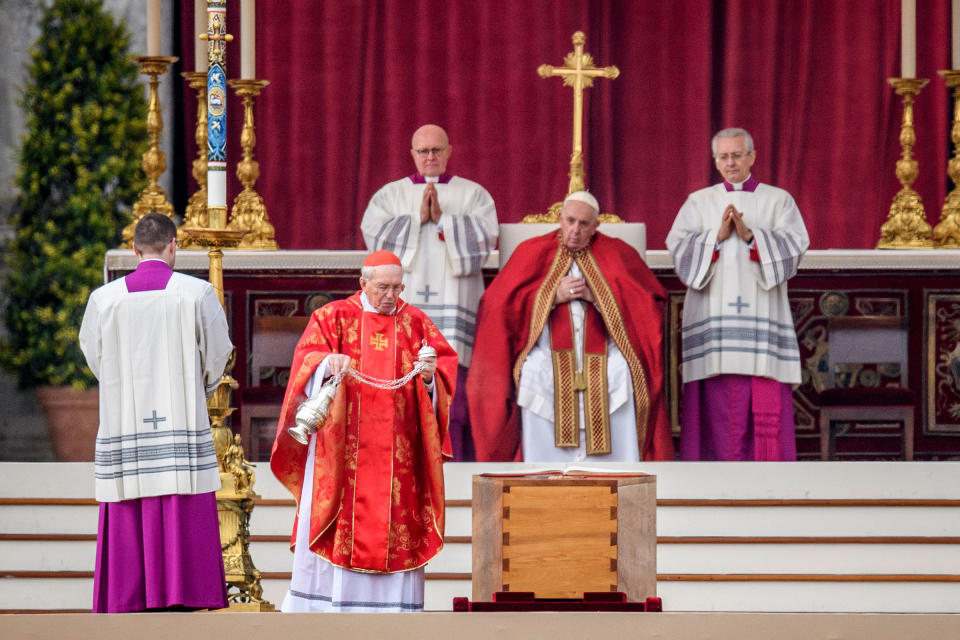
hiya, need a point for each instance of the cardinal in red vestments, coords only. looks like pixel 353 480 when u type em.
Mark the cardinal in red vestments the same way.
pixel 552 326
pixel 374 467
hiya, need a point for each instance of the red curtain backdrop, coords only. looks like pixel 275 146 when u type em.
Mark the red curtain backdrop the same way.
pixel 350 80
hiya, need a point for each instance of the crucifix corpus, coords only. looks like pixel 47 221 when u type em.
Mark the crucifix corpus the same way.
pixel 578 72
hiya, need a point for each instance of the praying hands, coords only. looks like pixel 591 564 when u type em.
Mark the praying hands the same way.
pixel 430 205
pixel 733 221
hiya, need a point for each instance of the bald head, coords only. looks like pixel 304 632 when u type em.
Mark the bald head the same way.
pixel 430 149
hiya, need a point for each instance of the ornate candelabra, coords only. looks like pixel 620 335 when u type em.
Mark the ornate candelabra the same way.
pixel 947 232
pixel 195 216
pixel 249 213
pixel 906 226
pixel 236 497
pixel 153 198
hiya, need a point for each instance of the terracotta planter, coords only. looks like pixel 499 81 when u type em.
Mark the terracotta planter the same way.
pixel 72 420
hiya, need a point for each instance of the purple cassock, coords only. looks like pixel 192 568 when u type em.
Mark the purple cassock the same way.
pixel 160 552
pixel 737 417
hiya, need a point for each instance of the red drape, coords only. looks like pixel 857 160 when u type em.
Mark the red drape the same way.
pixel 352 79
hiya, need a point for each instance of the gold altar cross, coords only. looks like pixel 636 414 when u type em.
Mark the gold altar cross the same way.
pixel 577 72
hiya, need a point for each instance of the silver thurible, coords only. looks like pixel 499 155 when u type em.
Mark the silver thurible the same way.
pixel 312 413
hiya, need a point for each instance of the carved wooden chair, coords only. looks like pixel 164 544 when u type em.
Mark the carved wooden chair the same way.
pixel 866 339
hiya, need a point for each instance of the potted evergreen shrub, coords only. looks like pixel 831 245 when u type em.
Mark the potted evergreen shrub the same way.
pixel 78 177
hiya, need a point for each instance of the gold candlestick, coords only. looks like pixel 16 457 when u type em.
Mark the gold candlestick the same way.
pixel 947 232
pixel 906 226
pixel 195 216
pixel 153 199
pixel 235 499
pixel 249 213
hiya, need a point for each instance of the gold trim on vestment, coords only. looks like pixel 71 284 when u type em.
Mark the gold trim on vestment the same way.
pixel 607 305
pixel 543 305
pixel 566 408
pixel 566 379
pixel 596 403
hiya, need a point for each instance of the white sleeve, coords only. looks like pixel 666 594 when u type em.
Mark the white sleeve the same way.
pixel 213 339
pixel 781 247
pixel 90 336
pixel 386 226
pixel 470 235
pixel 691 246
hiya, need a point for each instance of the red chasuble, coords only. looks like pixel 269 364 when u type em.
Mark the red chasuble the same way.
pixel 517 305
pixel 378 499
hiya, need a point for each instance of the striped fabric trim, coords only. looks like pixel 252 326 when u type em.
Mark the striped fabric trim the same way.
pixel 774 339
pixel 785 254
pixel 738 334
pixel 472 242
pixel 394 236
pixel 690 255
pixel 151 453
pixel 169 450
pixel 742 319
pixel 365 604
pixel 739 349
pixel 146 471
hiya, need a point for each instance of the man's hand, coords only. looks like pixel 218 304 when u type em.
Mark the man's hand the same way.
pixel 425 205
pixel 726 223
pixel 571 288
pixel 430 205
pixel 429 368
pixel 732 221
pixel 742 229
pixel 338 363
pixel 435 211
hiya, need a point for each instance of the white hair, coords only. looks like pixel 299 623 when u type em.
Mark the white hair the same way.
pixel 367 271
pixel 732 132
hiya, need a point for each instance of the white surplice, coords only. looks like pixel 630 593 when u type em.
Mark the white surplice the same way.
pixel 443 277
pixel 154 437
pixel 535 396
pixel 736 314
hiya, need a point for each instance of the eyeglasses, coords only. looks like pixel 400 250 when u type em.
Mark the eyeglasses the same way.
pixel 737 155
pixel 423 153
pixel 384 288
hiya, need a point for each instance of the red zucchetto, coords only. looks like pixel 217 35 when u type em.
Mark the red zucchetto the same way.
pixel 380 258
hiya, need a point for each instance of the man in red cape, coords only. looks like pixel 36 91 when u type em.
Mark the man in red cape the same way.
pixel 578 297
pixel 370 483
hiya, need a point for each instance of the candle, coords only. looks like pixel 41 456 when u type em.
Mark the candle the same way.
pixel 153 27
pixel 200 26
pixel 248 39
pixel 955 34
pixel 908 38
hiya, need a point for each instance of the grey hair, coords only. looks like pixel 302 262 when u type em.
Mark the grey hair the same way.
pixel 366 271
pixel 732 132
